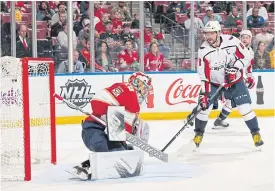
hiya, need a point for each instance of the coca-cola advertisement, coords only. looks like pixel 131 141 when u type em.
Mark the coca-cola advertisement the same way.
pixel 260 91
pixel 181 91
pixel 172 94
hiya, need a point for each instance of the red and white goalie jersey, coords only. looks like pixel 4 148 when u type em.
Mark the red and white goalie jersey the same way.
pixel 119 94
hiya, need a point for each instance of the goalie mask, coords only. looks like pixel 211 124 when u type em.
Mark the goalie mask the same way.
pixel 142 84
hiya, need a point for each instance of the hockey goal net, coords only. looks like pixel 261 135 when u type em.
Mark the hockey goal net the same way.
pixel 27 116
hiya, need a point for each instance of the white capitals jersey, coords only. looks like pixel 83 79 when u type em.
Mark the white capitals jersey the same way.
pixel 248 69
pixel 213 61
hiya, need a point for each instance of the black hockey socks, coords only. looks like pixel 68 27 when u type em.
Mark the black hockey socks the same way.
pixel 224 114
pixel 200 126
pixel 252 124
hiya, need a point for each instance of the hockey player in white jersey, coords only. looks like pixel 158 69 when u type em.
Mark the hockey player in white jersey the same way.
pixel 222 58
pixel 246 38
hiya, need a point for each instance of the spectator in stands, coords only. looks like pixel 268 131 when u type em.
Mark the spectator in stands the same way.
pixel 5 38
pixel 153 60
pixel 83 34
pixel 84 57
pixel 223 6
pixel 232 18
pixel 126 34
pixel 271 8
pixel 272 58
pixel 61 9
pixel 84 5
pixel 98 10
pixel 124 11
pixel 197 25
pixel 53 5
pixel 100 26
pixel 77 65
pixel 4 7
pixel 23 43
pixel 236 31
pixel 117 22
pixel 185 6
pixel 159 36
pixel 264 36
pixel 57 27
pixel 103 57
pixel 62 38
pixel 271 46
pixel 210 16
pixel 19 9
pixel 255 20
pixel 76 11
pixel 261 10
pixel 261 57
pixel 128 58
pixel 135 22
pixel 44 13
pixel 112 39
pixel 148 34
pixel 171 14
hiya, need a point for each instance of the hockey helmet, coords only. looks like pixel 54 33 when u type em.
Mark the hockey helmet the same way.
pixel 246 32
pixel 142 83
pixel 212 26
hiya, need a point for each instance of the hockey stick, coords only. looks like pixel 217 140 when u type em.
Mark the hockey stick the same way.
pixel 129 137
pixel 191 117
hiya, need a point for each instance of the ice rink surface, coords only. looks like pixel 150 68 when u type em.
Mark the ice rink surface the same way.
pixel 226 161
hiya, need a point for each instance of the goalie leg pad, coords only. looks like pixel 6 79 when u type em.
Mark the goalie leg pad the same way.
pixel 120 164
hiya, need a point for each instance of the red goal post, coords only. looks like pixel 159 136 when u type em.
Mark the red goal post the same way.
pixel 28 129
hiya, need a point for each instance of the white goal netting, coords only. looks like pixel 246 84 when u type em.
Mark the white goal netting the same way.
pixel 23 90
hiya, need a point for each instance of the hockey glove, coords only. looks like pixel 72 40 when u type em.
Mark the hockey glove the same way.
pixel 230 74
pixel 203 100
pixel 250 82
pixel 142 130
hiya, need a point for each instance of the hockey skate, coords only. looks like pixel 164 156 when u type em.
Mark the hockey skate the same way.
pixel 257 139
pixel 80 172
pixel 220 124
pixel 197 140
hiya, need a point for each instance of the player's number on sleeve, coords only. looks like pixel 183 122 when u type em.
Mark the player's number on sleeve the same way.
pixel 117 91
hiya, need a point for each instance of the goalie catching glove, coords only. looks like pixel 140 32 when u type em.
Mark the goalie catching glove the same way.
pixel 141 130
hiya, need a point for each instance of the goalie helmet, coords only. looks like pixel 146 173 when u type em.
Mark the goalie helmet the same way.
pixel 142 84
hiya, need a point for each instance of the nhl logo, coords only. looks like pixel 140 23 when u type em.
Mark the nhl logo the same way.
pixel 78 92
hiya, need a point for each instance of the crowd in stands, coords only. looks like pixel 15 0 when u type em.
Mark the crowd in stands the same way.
pixel 117 33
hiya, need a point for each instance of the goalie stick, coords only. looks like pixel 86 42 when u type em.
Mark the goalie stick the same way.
pixel 129 137
pixel 191 117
